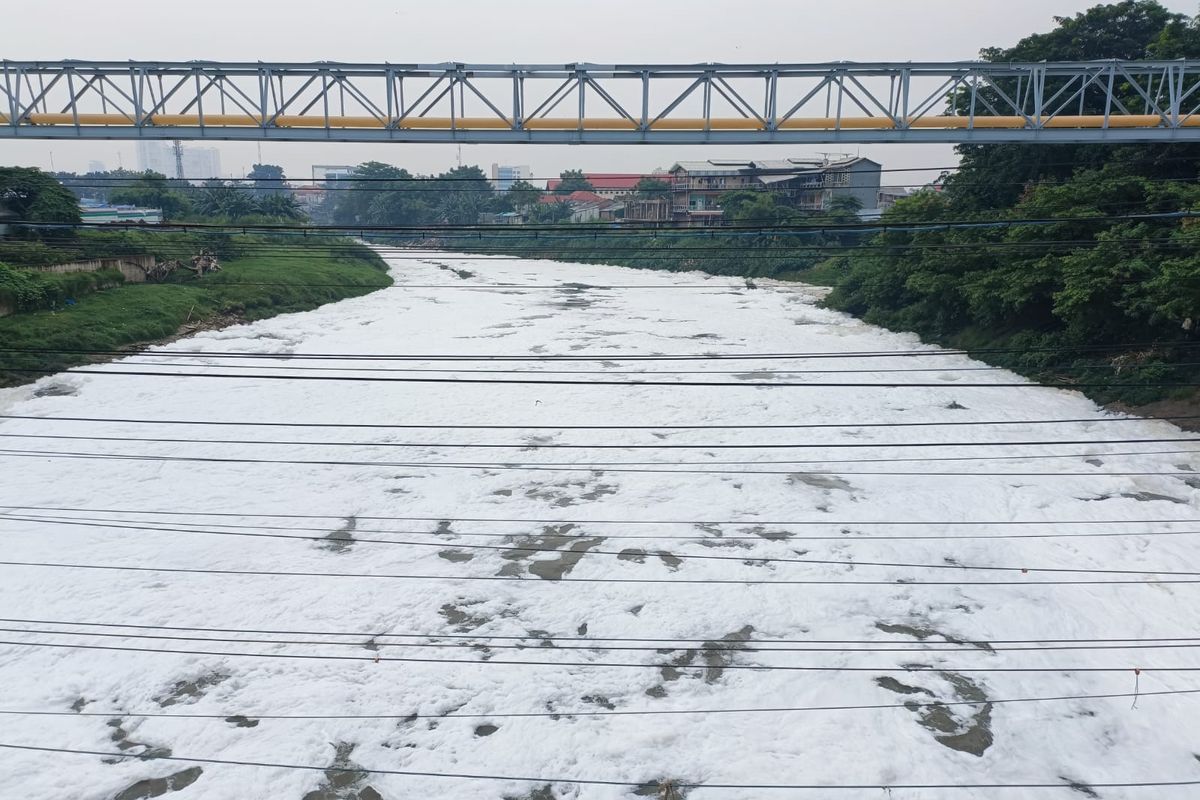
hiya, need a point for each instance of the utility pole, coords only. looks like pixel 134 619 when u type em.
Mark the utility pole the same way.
pixel 178 147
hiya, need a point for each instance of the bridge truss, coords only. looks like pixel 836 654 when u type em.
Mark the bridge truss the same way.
pixel 957 102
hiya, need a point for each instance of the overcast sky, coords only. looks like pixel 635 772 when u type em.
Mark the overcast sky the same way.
pixel 527 31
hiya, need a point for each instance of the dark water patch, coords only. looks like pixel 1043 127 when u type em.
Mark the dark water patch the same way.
pixel 461 273
pixel 544 792
pixel 1142 497
pixel 1079 786
pixel 455 556
pixel 56 390
pixel 582 629
pixel 344 780
pixel 485 729
pixel 712 336
pixel 464 620
pixel 827 482
pixel 123 742
pixel 634 554
pixel 954 405
pixel 967 729
pixel 599 700
pixel 79 703
pixel 525 558
pixel 662 789
pixel 924 632
pixel 709 661
pixel 341 540
pixel 503 492
pixel 759 375
pixel 572 492
pixel 242 721
pixel 544 638
pixel 157 787
pixel 1191 482
pixel 635 610
pixel 1095 462
pixel 190 690
pixel 771 536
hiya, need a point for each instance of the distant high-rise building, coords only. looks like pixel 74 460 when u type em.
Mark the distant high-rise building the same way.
pixel 505 175
pixel 96 166
pixel 198 162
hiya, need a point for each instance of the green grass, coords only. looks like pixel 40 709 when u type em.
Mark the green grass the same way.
pixel 135 314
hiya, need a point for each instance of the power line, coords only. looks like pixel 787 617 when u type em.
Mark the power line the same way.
pixel 705 426
pixel 375 643
pixel 566 579
pixel 881 226
pixel 517 547
pixel 495 662
pixel 712 538
pixel 1061 784
pixel 615 357
pixel 540 640
pixel 563 382
pixel 592 464
pixel 560 521
pixel 911 705
pixel 590 468
pixel 609 446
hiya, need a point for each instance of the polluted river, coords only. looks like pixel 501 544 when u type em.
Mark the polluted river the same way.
pixel 530 530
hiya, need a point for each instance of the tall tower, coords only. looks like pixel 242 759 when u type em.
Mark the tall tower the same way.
pixel 178 148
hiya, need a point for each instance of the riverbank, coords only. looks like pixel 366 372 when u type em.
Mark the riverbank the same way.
pixel 261 282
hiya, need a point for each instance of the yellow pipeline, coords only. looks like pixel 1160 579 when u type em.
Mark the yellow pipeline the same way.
pixel 602 124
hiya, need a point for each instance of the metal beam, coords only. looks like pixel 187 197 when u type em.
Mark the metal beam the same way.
pixel 641 104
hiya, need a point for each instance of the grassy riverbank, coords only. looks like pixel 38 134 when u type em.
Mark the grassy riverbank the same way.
pixel 260 282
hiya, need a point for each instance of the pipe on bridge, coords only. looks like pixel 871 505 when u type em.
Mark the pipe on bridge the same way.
pixel 601 124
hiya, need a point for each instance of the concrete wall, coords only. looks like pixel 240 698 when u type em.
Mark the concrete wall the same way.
pixel 134 268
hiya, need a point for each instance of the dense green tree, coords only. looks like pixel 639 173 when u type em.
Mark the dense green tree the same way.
pixel 33 195
pixel 523 194
pixel 279 206
pixel 572 180
pixel 652 188
pixel 550 213
pixel 268 179
pixel 153 190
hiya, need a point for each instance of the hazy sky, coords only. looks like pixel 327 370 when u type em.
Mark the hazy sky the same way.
pixel 529 31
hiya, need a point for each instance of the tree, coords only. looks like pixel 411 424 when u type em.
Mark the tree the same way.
pixel 281 206
pixel 368 200
pixel 268 179
pixel 572 180
pixel 33 195
pixel 558 211
pixel 462 193
pixel 652 189
pixel 523 194
pixel 153 190
pixel 229 202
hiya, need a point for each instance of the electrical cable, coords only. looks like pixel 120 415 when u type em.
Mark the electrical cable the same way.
pixel 749 560
pixel 897 582
pixel 358 770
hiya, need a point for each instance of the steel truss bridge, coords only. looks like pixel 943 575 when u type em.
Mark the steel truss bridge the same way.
pixel 957 102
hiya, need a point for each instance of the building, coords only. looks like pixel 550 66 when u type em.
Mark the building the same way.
pixel 159 156
pixel 332 172
pixel 807 184
pixel 505 175
pixel 611 184
pixel 96 166
pixel 109 214
pixel 888 196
